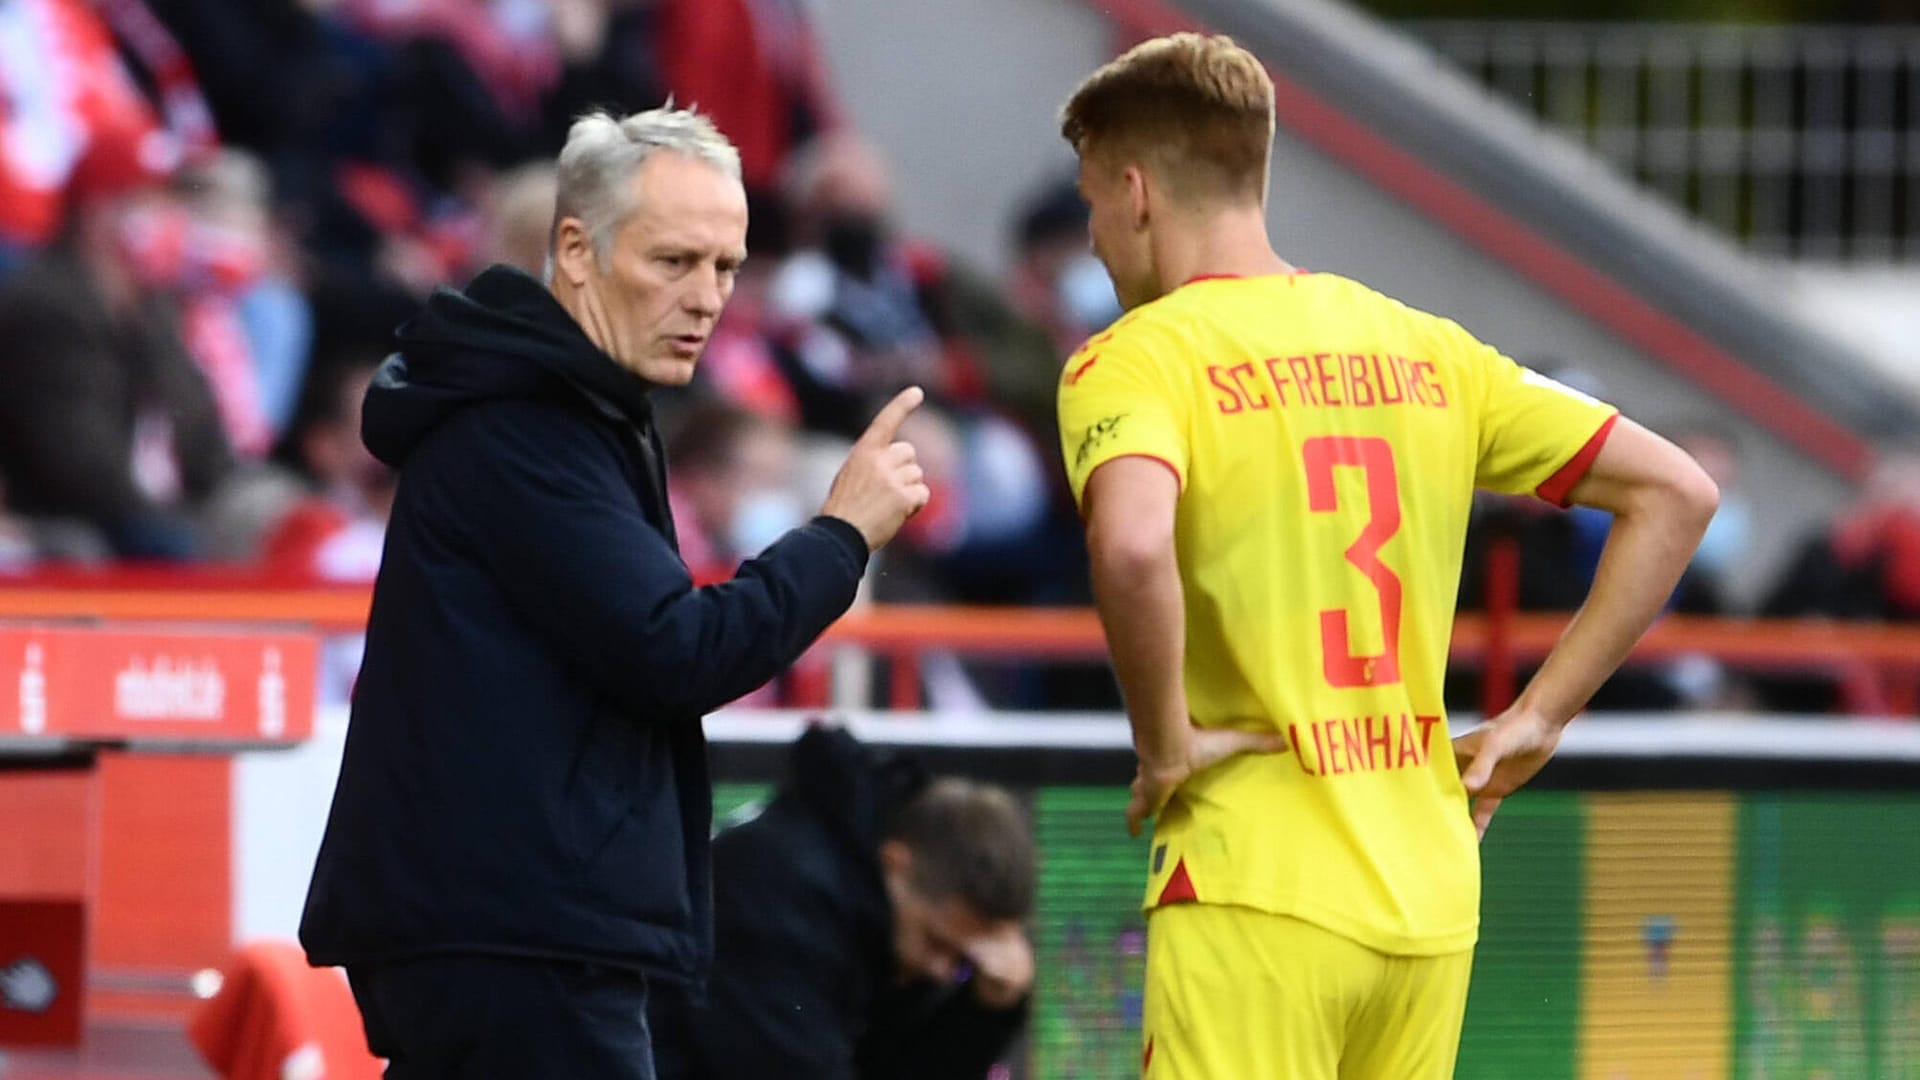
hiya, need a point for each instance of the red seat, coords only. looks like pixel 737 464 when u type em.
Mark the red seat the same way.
pixel 276 1018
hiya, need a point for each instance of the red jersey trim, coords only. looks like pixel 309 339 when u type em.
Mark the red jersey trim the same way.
pixel 1295 272
pixel 1179 888
pixel 1556 488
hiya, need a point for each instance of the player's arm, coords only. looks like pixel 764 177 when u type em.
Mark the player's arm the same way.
pixel 1661 501
pixel 1130 504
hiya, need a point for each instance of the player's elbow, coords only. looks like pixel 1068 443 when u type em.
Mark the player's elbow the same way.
pixel 1694 497
pixel 1684 497
pixel 1121 554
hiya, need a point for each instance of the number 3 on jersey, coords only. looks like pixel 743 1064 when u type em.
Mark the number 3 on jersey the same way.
pixel 1374 458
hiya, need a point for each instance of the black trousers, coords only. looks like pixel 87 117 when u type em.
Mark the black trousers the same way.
pixel 470 1017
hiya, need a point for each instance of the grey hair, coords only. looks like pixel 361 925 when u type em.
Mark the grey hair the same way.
pixel 601 154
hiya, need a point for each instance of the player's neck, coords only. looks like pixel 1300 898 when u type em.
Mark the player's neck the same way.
pixel 1223 244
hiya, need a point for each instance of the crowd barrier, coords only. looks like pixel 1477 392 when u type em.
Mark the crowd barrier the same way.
pixel 1876 666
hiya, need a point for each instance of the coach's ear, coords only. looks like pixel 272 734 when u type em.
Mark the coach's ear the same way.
pixel 573 257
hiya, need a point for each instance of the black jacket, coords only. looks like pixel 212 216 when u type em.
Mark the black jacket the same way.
pixel 525 771
pixel 803 981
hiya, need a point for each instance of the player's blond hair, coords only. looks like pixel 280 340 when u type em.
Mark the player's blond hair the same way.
pixel 1196 107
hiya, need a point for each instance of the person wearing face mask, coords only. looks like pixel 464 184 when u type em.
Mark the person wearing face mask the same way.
pixel 870 924
pixel 848 301
pixel 104 416
pixel 246 325
pixel 732 485
pixel 1057 281
pixel 516 856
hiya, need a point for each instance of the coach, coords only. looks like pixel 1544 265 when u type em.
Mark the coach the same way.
pixel 518 842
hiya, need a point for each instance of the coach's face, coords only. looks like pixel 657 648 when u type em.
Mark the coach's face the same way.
pixel 651 299
pixel 1117 220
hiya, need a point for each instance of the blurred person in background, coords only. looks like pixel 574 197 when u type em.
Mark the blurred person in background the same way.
pixel 517 849
pixel 30 542
pixel 104 415
pixel 1864 565
pixel 245 322
pixel 870 923
pixel 336 533
pixel 859 310
pixel 732 485
pixel 1057 281
pixel 757 67
pixel 848 298
pixel 335 529
pixel 69 98
pixel 520 216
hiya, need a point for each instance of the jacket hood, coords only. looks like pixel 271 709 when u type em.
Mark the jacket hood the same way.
pixel 852 785
pixel 503 336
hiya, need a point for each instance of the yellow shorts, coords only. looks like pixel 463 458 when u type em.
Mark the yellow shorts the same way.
pixel 1238 994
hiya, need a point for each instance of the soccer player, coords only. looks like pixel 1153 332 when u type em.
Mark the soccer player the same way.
pixel 1275 469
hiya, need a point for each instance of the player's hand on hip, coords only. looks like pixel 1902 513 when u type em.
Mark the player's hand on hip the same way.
pixel 1497 757
pixel 1154 782
pixel 880 485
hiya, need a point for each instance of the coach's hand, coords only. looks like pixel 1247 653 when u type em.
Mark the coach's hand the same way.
pixel 1497 757
pixel 880 486
pixel 1154 782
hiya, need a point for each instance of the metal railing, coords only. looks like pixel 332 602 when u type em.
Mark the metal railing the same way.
pixel 1798 141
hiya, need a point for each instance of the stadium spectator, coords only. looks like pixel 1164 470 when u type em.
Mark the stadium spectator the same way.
pixel 1057 283
pixel 72 109
pixel 336 528
pixel 538 659
pixel 847 302
pixel 27 543
pixel 519 216
pixel 859 310
pixel 104 416
pixel 335 533
pixel 757 68
pixel 732 487
pixel 869 923
pixel 1864 565
pixel 246 323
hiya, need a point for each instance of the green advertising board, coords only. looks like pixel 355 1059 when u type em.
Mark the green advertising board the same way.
pixel 1625 936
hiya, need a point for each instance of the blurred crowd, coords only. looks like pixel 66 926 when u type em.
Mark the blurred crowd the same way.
pixel 213 215
pixel 1863 565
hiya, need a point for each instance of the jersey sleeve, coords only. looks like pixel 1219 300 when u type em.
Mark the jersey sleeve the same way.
pixel 1115 401
pixel 1538 436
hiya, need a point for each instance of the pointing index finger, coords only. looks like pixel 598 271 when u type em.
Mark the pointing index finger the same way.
pixel 886 423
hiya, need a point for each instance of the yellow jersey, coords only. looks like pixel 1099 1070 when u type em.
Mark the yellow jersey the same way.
pixel 1327 441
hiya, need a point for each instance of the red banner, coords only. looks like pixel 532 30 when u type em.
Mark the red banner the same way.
pixel 73 683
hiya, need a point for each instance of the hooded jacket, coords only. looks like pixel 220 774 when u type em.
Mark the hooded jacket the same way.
pixel 805 981
pixel 525 771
